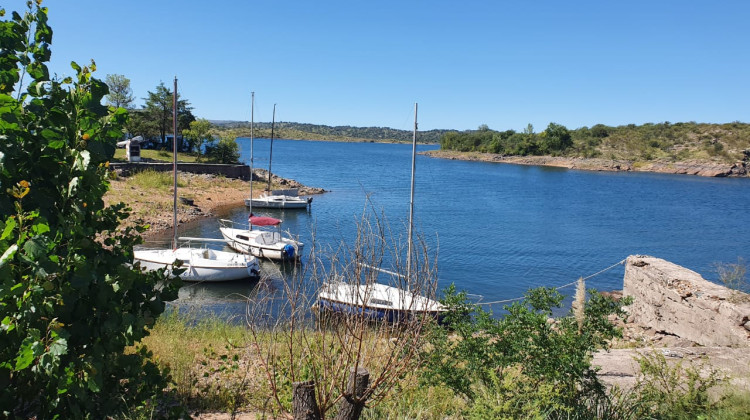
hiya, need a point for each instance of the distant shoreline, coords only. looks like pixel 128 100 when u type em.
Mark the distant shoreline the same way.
pixel 699 168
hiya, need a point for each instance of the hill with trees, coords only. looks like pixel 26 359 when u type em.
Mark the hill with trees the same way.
pixel 303 131
pixel 664 141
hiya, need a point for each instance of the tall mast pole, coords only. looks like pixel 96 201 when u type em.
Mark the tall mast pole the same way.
pixel 252 123
pixel 411 200
pixel 174 162
pixel 270 154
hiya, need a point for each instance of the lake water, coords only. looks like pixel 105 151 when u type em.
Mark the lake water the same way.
pixel 501 229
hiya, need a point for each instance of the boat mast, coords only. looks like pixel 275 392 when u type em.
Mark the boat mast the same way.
pixel 270 154
pixel 411 200
pixel 174 162
pixel 252 122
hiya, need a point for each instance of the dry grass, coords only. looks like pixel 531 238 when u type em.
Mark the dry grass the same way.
pixel 150 196
pixel 216 369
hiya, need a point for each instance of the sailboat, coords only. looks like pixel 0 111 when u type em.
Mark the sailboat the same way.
pixel 201 264
pixel 262 243
pixel 276 199
pixel 380 301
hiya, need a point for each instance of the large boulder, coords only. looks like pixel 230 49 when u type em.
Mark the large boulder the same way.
pixel 674 300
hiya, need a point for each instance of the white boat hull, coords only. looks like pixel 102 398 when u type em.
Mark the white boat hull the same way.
pixel 262 244
pixel 278 202
pixel 204 265
pixel 376 301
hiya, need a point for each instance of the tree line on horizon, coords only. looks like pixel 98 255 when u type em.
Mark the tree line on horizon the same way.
pixel 651 141
pixel 307 131
pixel 667 141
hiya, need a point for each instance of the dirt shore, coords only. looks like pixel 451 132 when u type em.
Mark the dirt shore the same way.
pixel 211 195
pixel 701 168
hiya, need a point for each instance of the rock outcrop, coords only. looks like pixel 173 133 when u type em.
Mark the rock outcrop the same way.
pixel 675 300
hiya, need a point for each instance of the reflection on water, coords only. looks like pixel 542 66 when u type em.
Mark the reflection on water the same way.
pixel 235 299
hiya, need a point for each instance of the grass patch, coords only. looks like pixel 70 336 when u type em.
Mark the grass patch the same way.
pixel 209 364
pixel 215 368
pixel 151 179
pixel 160 156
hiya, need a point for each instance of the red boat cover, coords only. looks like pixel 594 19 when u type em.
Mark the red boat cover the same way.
pixel 263 221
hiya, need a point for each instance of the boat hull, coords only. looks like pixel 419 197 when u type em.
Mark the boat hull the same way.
pixel 377 301
pixel 278 202
pixel 373 313
pixel 200 264
pixel 262 244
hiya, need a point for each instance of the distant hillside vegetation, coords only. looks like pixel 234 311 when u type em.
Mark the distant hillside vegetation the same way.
pixel 300 131
pixel 663 141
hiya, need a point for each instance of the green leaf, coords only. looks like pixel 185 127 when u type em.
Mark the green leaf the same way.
pixel 59 347
pixel 34 248
pixel 40 228
pixel 26 353
pixel 7 325
pixel 10 224
pixel 56 144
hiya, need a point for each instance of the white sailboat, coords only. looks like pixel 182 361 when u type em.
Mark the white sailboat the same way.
pixel 262 243
pixel 377 300
pixel 201 264
pixel 275 199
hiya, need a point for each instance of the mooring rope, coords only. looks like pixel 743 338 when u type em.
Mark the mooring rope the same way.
pixel 559 287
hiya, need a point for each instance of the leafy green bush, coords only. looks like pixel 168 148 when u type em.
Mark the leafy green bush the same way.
pixel 225 151
pixel 674 392
pixel 524 363
pixel 70 301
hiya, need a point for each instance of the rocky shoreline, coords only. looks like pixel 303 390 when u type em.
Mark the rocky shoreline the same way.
pixel 700 168
pixel 683 317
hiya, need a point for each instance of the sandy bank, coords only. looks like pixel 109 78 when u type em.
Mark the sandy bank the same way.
pixel 701 168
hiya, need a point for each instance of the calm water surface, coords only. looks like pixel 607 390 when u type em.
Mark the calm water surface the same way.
pixel 500 229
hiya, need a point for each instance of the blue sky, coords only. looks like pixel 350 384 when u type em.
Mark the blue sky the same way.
pixel 500 63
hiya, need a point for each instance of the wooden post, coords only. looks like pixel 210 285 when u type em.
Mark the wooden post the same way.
pixel 304 403
pixel 352 404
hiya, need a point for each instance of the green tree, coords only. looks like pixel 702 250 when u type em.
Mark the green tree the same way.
pixel 70 300
pixel 225 151
pixel 556 138
pixel 199 131
pixel 120 94
pixel 140 124
pixel 159 110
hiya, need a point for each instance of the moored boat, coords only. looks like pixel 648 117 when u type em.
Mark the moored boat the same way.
pixel 380 301
pixel 376 301
pixel 280 199
pixel 200 264
pixel 261 243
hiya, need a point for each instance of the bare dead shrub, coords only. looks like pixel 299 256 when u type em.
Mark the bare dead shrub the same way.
pixel 315 351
